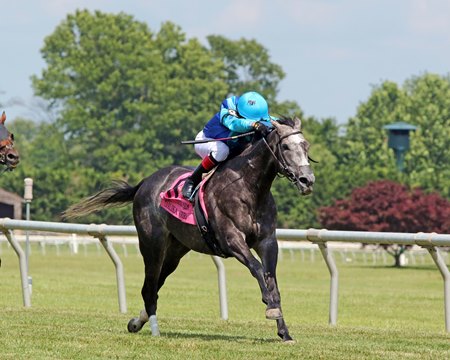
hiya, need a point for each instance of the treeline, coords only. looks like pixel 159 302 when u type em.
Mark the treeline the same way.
pixel 125 96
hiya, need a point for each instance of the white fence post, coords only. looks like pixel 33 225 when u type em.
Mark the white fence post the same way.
pixel 428 240
pixel 222 287
pixel 334 281
pixel 22 265
pixel 100 232
pixel 120 278
pixel 436 255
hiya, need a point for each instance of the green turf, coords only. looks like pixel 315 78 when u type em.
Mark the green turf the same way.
pixel 384 313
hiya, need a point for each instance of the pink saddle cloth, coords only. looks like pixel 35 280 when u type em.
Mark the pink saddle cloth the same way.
pixel 175 204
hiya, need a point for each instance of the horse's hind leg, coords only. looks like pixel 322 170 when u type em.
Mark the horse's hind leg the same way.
pixel 174 252
pixel 171 258
pixel 149 295
pixel 152 245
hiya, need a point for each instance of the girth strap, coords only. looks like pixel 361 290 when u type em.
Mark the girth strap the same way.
pixel 205 229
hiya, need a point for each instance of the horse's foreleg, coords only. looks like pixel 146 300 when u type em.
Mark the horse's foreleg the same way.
pixel 267 250
pixel 242 253
pixel 282 331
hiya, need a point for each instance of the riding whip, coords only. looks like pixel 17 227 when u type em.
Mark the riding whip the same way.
pixel 221 139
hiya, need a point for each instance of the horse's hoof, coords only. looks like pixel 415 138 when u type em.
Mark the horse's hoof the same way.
pixel 289 342
pixel 273 314
pixel 134 325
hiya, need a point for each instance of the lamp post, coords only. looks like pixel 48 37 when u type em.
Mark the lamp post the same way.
pixel 398 140
pixel 28 196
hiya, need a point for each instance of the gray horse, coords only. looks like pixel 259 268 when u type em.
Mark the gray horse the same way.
pixel 241 211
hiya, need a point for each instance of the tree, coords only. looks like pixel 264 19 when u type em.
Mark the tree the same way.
pixel 364 149
pixel 301 212
pixel 389 207
pixel 126 97
pixel 114 80
pixel 429 157
pixel 247 66
pixel 422 101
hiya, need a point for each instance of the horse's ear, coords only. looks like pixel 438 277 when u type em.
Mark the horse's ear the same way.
pixel 3 118
pixel 275 124
pixel 297 123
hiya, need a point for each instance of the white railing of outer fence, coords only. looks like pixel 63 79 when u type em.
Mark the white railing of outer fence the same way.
pixel 429 241
pixel 101 232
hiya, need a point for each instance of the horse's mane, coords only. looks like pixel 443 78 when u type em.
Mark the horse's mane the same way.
pixel 285 120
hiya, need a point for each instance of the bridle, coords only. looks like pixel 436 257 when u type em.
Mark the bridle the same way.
pixel 3 154
pixel 282 163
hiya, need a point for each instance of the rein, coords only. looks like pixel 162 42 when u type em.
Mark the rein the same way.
pixel 281 160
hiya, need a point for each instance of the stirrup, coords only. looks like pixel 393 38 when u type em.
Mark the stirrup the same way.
pixel 192 197
pixel 188 189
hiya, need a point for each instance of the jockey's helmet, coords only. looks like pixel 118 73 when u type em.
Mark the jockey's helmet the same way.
pixel 252 105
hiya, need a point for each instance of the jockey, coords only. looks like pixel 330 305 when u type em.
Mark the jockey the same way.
pixel 237 115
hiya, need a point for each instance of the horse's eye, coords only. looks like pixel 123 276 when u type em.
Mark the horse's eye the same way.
pixel 284 146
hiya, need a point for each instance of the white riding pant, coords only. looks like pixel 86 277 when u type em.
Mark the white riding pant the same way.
pixel 218 149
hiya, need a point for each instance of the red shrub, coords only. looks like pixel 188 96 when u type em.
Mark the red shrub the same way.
pixel 388 206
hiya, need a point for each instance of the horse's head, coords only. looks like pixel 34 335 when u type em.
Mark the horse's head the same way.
pixel 291 151
pixel 9 157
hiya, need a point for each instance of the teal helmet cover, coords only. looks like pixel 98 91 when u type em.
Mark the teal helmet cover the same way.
pixel 252 105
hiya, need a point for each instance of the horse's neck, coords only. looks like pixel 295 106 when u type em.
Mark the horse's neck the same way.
pixel 260 168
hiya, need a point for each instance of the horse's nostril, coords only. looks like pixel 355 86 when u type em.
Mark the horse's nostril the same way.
pixel 304 180
pixel 307 180
pixel 12 157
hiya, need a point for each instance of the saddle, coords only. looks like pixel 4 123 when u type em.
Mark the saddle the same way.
pixel 179 207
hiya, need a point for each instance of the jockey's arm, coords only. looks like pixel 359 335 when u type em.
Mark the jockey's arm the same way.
pixel 236 124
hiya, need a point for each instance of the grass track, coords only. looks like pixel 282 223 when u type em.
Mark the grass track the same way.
pixel 384 313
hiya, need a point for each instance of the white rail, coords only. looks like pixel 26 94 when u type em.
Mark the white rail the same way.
pixel 100 232
pixel 429 241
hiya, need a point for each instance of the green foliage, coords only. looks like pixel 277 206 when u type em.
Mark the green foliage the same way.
pixel 429 157
pixel 116 80
pixel 296 211
pixel 364 150
pixel 423 101
pixel 247 66
pixel 126 95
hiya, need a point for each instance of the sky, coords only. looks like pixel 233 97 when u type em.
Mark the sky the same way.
pixel 333 51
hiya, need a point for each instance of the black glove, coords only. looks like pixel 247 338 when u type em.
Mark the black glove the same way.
pixel 261 129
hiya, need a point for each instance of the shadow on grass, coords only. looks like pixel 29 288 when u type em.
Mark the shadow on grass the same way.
pixel 218 337
pixel 401 268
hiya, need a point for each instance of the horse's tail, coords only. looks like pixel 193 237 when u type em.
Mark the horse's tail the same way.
pixel 119 194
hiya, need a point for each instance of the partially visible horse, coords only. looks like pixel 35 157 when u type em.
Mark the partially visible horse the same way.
pixel 241 212
pixel 9 157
